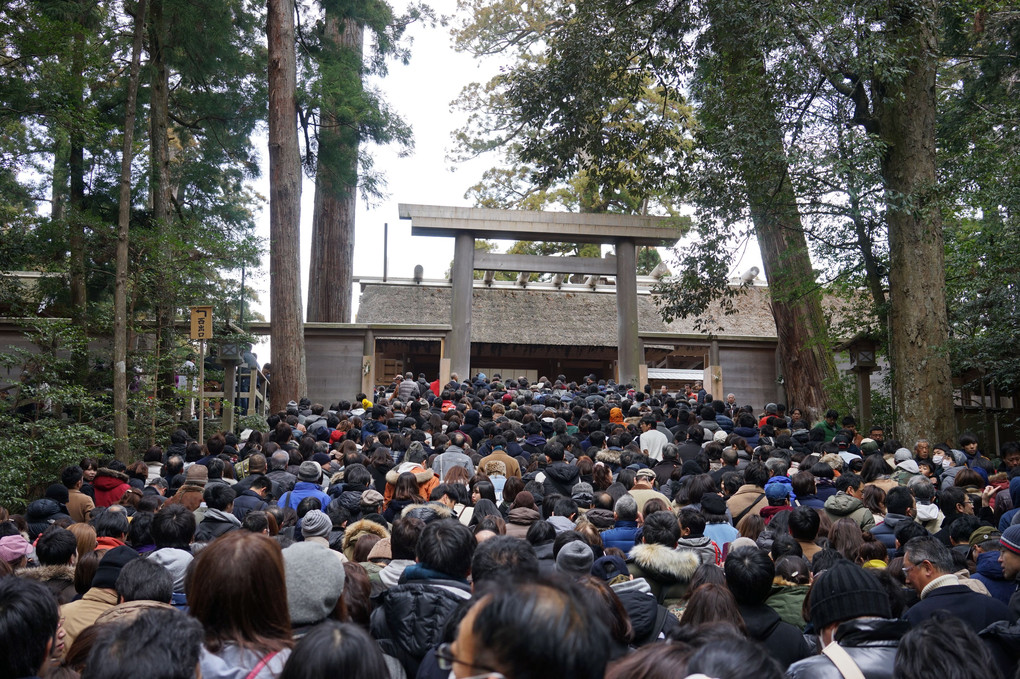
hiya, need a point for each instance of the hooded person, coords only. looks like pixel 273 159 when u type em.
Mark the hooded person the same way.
pixel 560 477
pixel 110 485
pixel 40 515
pixel 847 503
pixel 656 559
pixel 850 610
pixel 356 530
pixel 414 462
pixel 315 581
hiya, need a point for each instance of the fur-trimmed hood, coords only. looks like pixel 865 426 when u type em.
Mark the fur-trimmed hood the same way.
pixel 48 573
pixel 356 530
pixel 108 479
pixel 421 475
pixel 428 511
pixel 665 563
pixel 608 456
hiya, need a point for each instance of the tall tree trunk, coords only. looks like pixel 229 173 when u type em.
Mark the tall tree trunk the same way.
pixel 918 320
pixel 287 331
pixel 120 325
pixel 805 355
pixel 76 205
pixel 336 177
pixel 159 189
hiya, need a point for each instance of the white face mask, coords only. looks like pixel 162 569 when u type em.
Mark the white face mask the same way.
pixel 937 459
pixel 947 463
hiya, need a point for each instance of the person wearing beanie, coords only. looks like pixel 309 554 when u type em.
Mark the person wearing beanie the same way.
pixel 1009 559
pixel 315 581
pixel 316 527
pixel 100 597
pixel 717 524
pixel 14 549
pixel 308 478
pixel 850 611
pixel 575 559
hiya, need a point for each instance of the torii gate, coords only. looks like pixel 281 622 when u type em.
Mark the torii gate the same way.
pixel 625 232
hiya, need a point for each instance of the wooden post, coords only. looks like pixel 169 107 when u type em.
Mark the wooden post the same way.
pixel 201 392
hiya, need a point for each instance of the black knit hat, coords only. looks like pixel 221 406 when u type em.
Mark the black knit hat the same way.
pixel 110 565
pixel 844 592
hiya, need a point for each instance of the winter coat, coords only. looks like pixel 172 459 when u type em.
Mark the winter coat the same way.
pixel 622 535
pixel 783 641
pixel 110 485
pixel 722 534
pixel 283 481
pixel 871 643
pixel 303 489
pixel 513 467
pixel 560 479
pixel 546 560
pixel 706 550
pixel 977 611
pixel 787 599
pixel 410 619
pixel 426 478
pixel 842 505
pixel 356 530
pixel 746 496
pixel 650 620
pixel 82 613
pixel 79 505
pixel 989 571
pixel 885 531
pixel 520 520
pixel 216 523
pixel 58 579
pixel 40 515
pixel 667 570
pixel 824 489
pixel 248 501
pixel 749 434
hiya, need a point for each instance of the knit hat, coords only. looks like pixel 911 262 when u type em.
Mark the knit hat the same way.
pixel 197 475
pixel 582 488
pixel 58 492
pixel 713 504
pixel 381 550
pixel 742 542
pixel 1011 539
pixel 719 436
pixel 370 498
pixel 869 446
pixel 13 547
pixel 315 580
pixel 609 568
pixel 309 471
pixel 315 524
pixel 847 591
pixel 575 559
pixel 909 466
pixel 902 455
pixel 110 565
pixel 983 534
pixel 322 459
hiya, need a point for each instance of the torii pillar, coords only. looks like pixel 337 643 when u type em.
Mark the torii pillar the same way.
pixel 626 232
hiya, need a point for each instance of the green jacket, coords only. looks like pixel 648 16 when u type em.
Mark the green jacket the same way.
pixel 788 601
pixel 841 506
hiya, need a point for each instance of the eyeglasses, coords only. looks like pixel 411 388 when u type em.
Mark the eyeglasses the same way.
pixel 907 569
pixel 445 659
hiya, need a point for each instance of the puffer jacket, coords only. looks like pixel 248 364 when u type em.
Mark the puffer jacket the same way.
pixel 787 599
pixel 40 515
pixel 842 505
pixel 410 618
pixel 622 536
pixel 989 571
pixel 706 550
pixel 870 643
pixel 110 485
pixel 520 520
pixel 649 620
pixel 783 641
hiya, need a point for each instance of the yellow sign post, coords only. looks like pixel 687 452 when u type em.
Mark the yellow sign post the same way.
pixel 201 330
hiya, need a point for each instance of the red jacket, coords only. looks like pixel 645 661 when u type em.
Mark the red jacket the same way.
pixel 109 485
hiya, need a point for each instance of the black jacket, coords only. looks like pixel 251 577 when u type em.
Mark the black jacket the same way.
pixel 560 478
pixel 248 501
pixel 977 611
pixel 409 619
pixel 783 641
pixel 213 526
pixel 870 642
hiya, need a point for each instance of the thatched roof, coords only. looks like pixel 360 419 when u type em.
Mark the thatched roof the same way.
pixel 541 315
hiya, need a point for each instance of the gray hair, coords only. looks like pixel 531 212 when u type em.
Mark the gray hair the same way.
pixel 922 488
pixel 778 466
pixel 626 508
pixel 279 460
pixel 928 548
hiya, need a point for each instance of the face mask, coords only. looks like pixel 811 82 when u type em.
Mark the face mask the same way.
pixel 937 459
pixel 947 463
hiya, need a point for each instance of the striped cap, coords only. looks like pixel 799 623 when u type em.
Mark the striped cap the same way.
pixel 1011 539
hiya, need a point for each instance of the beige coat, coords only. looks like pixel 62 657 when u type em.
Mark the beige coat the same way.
pixel 82 613
pixel 79 505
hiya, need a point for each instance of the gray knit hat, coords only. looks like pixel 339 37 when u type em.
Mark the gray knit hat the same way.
pixel 316 524
pixel 575 559
pixel 315 581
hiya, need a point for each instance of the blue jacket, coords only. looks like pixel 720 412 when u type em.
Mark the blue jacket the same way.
pixel 990 572
pixel 303 489
pixel 622 536
pixel 724 422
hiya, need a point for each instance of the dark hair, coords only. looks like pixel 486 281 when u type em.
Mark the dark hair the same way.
pixel 943 646
pixel 906 530
pixel 712 603
pixel 110 523
pixel 404 537
pixel 333 648
pixel 56 546
pixel 898 500
pixel 140 532
pixel 749 572
pixel 756 474
pixel 218 496
pixel 611 608
pixel 848 481
pixel 540 533
pixel 949 497
pixel 661 528
pixel 446 546
pixel 845 537
pixel 692 520
pixel 804 522
pixel 173 526
pixel 71 475
pixel 785 545
pixel 726 654
pixel 85 570
pixel 144 580
pixel 157 644
pixel 256 522
pixel 28 621
pixel 235 589
pixel 502 559
pixel 558 633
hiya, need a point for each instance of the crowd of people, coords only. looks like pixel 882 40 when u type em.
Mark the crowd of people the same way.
pixel 496 528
